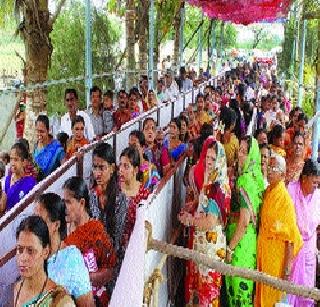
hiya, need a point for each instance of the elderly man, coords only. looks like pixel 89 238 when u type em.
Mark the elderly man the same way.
pixel 279 239
pixel 171 91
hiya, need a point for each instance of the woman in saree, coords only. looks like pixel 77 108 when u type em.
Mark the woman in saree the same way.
pixel 90 237
pixel 306 199
pixel 48 153
pixel 202 115
pixel 184 134
pixel 295 162
pixel 78 139
pixel 172 148
pixel 149 175
pixel 242 225
pixel 276 140
pixel 194 126
pixel 206 217
pixel 279 239
pixel 229 140
pixel 17 183
pixel 35 288
pixel 66 266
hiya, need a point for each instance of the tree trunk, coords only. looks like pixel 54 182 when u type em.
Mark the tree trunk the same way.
pixel 176 49
pixel 38 49
pixel 130 36
pixel 143 34
pixel 222 39
pixel 156 48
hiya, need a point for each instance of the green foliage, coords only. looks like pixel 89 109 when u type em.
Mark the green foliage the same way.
pixel 193 19
pixel 289 63
pixel 166 13
pixel 68 57
pixel 9 44
pixel 113 7
pixel 6 12
pixel 263 38
pixel 309 95
pixel 230 36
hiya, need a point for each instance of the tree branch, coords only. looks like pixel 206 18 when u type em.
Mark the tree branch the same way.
pixel 57 12
pixel 21 58
pixel 121 59
pixel 193 34
pixel 311 15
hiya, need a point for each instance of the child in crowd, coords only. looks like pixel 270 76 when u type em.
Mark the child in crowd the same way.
pixel 63 138
pixel 17 183
pixel 108 101
pixel 133 105
pixel 152 151
pixel 108 112
pixel 5 159
pixel 2 174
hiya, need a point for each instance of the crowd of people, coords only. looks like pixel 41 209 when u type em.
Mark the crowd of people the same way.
pixel 252 200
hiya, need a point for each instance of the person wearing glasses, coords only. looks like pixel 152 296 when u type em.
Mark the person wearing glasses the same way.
pixel 279 239
pixel 72 105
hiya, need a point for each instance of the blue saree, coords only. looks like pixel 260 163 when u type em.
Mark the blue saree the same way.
pixel 18 190
pixel 49 158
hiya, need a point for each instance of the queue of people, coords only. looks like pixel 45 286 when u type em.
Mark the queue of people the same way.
pixel 248 197
pixel 252 201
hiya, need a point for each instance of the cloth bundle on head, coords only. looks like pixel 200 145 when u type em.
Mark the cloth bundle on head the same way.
pixel 281 162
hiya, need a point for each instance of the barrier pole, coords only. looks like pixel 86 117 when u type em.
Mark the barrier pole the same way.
pixel 227 269
pixel 151 43
pixel 315 130
pixel 293 56
pixel 200 39
pixel 301 64
pixel 181 37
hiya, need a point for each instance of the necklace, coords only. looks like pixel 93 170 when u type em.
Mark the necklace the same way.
pixel 37 298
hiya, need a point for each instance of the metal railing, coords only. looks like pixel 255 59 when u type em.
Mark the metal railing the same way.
pixel 8 223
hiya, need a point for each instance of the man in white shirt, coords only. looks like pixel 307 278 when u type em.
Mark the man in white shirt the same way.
pixel 71 102
pixel 171 91
pixel 250 94
pixel 185 83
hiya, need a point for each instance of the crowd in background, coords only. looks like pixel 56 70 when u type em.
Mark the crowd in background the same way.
pixel 248 197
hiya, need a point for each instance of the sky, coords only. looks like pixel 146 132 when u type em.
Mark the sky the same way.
pixel 246 33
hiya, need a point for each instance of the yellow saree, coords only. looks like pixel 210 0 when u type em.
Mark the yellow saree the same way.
pixel 277 226
pixel 232 149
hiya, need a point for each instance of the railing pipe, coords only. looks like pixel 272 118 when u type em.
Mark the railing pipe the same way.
pixel 151 43
pixel 301 64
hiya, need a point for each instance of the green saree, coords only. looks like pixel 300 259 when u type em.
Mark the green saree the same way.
pixel 250 187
